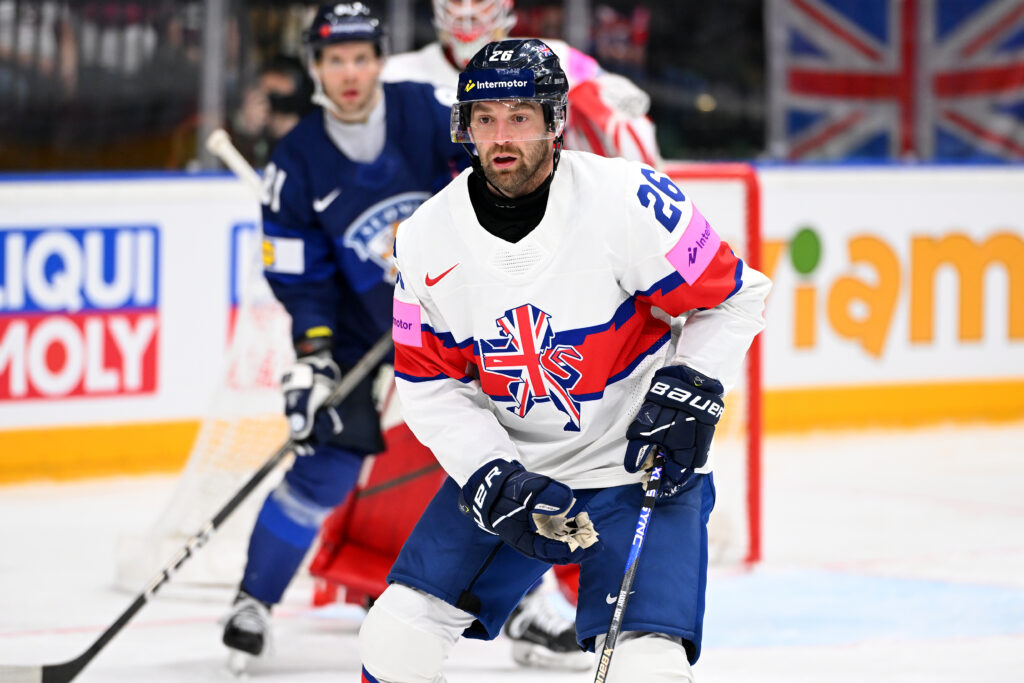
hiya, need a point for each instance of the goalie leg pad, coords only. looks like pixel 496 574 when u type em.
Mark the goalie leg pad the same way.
pixel 648 657
pixel 407 635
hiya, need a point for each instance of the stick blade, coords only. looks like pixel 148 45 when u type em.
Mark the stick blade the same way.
pixel 21 674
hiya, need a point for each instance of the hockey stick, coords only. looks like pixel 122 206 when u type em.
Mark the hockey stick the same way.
pixel 220 145
pixel 67 671
pixel 646 510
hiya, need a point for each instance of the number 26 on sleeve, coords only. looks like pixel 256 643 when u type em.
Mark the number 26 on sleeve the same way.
pixel 647 194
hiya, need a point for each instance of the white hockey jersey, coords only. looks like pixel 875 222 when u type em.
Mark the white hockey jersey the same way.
pixel 541 351
pixel 607 113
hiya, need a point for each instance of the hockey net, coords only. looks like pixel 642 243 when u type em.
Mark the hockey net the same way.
pixel 244 424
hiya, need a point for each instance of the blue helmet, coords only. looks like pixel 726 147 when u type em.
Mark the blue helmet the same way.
pixel 514 69
pixel 344 22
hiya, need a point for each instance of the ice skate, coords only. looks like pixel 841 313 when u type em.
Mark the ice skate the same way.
pixel 543 638
pixel 246 631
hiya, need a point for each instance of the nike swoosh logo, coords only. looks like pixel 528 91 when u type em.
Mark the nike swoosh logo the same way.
pixel 320 205
pixel 431 281
pixel 610 599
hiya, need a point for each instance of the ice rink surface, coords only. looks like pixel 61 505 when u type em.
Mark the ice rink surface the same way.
pixel 890 557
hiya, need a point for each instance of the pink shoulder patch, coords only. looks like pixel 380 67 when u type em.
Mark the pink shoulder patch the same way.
pixel 405 321
pixel 695 249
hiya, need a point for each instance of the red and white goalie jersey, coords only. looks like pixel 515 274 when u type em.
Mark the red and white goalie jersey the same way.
pixel 541 351
pixel 607 112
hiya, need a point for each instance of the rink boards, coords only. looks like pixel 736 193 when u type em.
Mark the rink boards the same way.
pixel 898 299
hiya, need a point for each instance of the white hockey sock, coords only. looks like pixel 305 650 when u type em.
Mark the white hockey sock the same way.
pixel 647 657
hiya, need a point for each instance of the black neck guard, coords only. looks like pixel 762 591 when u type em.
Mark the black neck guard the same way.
pixel 510 218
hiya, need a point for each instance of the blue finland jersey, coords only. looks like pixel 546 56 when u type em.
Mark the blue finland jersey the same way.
pixel 329 222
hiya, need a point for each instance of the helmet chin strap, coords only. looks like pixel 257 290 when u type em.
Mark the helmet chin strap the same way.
pixel 478 167
pixel 320 98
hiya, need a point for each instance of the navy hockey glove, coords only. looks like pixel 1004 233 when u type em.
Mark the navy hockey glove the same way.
pixel 679 415
pixel 526 510
pixel 306 385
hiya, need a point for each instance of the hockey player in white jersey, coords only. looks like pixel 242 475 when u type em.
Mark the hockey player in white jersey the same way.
pixel 607 117
pixel 608 111
pixel 535 356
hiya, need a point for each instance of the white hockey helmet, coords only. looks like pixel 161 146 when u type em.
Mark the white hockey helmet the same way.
pixel 465 26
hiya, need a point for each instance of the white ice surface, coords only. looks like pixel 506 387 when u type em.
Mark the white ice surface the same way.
pixel 890 557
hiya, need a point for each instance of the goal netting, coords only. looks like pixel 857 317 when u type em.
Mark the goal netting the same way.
pixel 242 428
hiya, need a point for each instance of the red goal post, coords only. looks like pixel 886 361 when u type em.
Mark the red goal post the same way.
pixel 729 195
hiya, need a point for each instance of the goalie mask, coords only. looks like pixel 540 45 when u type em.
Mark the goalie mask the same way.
pixel 512 72
pixel 465 26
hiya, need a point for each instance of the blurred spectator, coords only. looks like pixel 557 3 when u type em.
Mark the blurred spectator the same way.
pixel 546 20
pixel 620 41
pixel 117 37
pixel 38 71
pixel 271 107
pixel 142 64
pixel 37 37
pixel 93 84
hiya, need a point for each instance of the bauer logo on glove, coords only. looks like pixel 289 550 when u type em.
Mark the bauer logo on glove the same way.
pixel 679 415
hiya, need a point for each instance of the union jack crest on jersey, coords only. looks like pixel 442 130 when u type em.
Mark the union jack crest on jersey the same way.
pixel 897 79
pixel 539 369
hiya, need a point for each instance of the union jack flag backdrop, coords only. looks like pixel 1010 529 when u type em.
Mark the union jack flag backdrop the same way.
pixel 896 79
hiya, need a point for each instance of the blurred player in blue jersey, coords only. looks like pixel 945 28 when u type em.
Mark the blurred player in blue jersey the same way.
pixel 334 192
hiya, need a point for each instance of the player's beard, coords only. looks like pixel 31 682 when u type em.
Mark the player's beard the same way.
pixel 527 174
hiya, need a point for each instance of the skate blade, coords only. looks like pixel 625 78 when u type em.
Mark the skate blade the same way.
pixel 238 663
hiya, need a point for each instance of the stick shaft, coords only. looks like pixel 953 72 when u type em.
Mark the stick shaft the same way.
pixel 219 143
pixel 632 560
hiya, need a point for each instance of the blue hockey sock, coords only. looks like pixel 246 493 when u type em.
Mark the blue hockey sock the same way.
pixel 285 528
pixel 291 517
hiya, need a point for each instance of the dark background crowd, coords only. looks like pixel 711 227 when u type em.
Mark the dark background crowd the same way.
pixel 117 84
pixel 133 84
